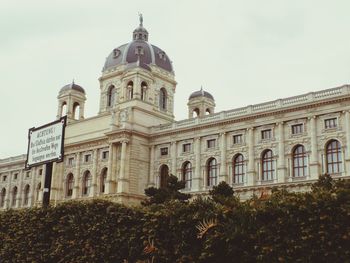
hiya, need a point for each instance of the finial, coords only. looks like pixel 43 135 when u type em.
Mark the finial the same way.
pixel 202 90
pixel 141 19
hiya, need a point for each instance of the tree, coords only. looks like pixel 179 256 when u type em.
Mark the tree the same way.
pixel 221 192
pixel 170 192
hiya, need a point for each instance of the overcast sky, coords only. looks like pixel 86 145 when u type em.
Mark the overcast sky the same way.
pixel 242 52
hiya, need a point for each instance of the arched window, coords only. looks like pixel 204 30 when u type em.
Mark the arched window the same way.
pixel 212 172
pixel 130 90
pixel 238 169
pixel 69 185
pixel 38 187
pixel 187 174
pixel 163 99
pixel 26 195
pixel 111 96
pixel 333 157
pixel 2 197
pixel 195 113
pixel 76 110
pixel 164 175
pixel 103 180
pixel 64 109
pixel 207 112
pixel 86 183
pixel 143 90
pixel 14 196
pixel 299 161
pixel 268 168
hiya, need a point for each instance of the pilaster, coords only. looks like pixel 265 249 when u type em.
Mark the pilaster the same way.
pixel 314 163
pixel 223 165
pixel 251 173
pixel 281 168
pixel 197 181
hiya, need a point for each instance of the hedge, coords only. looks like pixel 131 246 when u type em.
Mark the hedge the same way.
pixel 286 227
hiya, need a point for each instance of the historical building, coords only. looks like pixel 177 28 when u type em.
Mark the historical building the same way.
pixel 134 142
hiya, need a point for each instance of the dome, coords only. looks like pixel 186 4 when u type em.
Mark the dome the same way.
pixel 72 86
pixel 139 53
pixel 201 93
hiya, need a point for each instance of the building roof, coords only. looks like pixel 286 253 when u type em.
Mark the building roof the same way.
pixel 201 93
pixel 139 52
pixel 72 86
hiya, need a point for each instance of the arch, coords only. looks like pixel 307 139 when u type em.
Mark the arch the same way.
pixel 195 113
pixel 103 179
pixel 164 175
pixel 267 166
pixel 63 109
pixel 207 111
pixel 187 174
pixel 14 196
pixel 26 195
pixel 163 97
pixel 238 169
pixel 212 172
pixel 334 161
pixel 111 96
pixel 69 185
pixel 86 184
pixel 144 88
pixel 299 159
pixel 130 90
pixel 76 110
pixel 2 197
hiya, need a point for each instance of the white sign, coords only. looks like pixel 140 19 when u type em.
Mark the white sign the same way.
pixel 46 143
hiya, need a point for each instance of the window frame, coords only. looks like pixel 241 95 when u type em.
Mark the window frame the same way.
pixel 334 154
pixel 268 168
pixel 266 134
pixel 212 172
pixel 238 169
pixel 187 174
pixel 299 162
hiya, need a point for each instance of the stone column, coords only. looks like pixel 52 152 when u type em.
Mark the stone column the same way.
pixel 173 158
pixel 251 180
pixel 314 163
pixel 223 165
pixel 94 173
pixel 151 179
pixel 281 168
pixel 109 180
pixel 32 188
pixel 123 181
pixel 76 176
pixel 347 127
pixel 197 181
pixel 20 189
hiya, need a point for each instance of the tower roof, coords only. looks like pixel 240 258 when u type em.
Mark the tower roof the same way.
pixel 72 86
pixel 139 53
pixel 201 93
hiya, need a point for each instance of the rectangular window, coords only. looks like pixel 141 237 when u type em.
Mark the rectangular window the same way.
pixel 266 134
pixel 330 123
pixel 186 147
pixel 105 155
pixel 15 176
pixel 211 143
pixel 40 171
pixel 4 178
pixel 237 139
pixel 164 151
pixel 87 158
pixel 71 161
pixel 27 174
pixel 297 128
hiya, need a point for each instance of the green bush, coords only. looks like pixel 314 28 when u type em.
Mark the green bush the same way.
pixel 286 227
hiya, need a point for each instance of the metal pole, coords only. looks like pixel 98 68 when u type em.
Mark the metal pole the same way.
pixel 47 184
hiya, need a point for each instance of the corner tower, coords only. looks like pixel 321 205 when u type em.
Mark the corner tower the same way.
pixel 200 103
pixel 138 77
pixel 71 102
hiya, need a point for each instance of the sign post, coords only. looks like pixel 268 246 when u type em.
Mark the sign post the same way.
pixel 45 146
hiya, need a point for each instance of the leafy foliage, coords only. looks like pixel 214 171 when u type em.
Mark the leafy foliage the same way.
pixel 285 227
pixel 165 194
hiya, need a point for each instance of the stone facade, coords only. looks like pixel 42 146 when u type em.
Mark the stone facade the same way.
pixel 134 141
